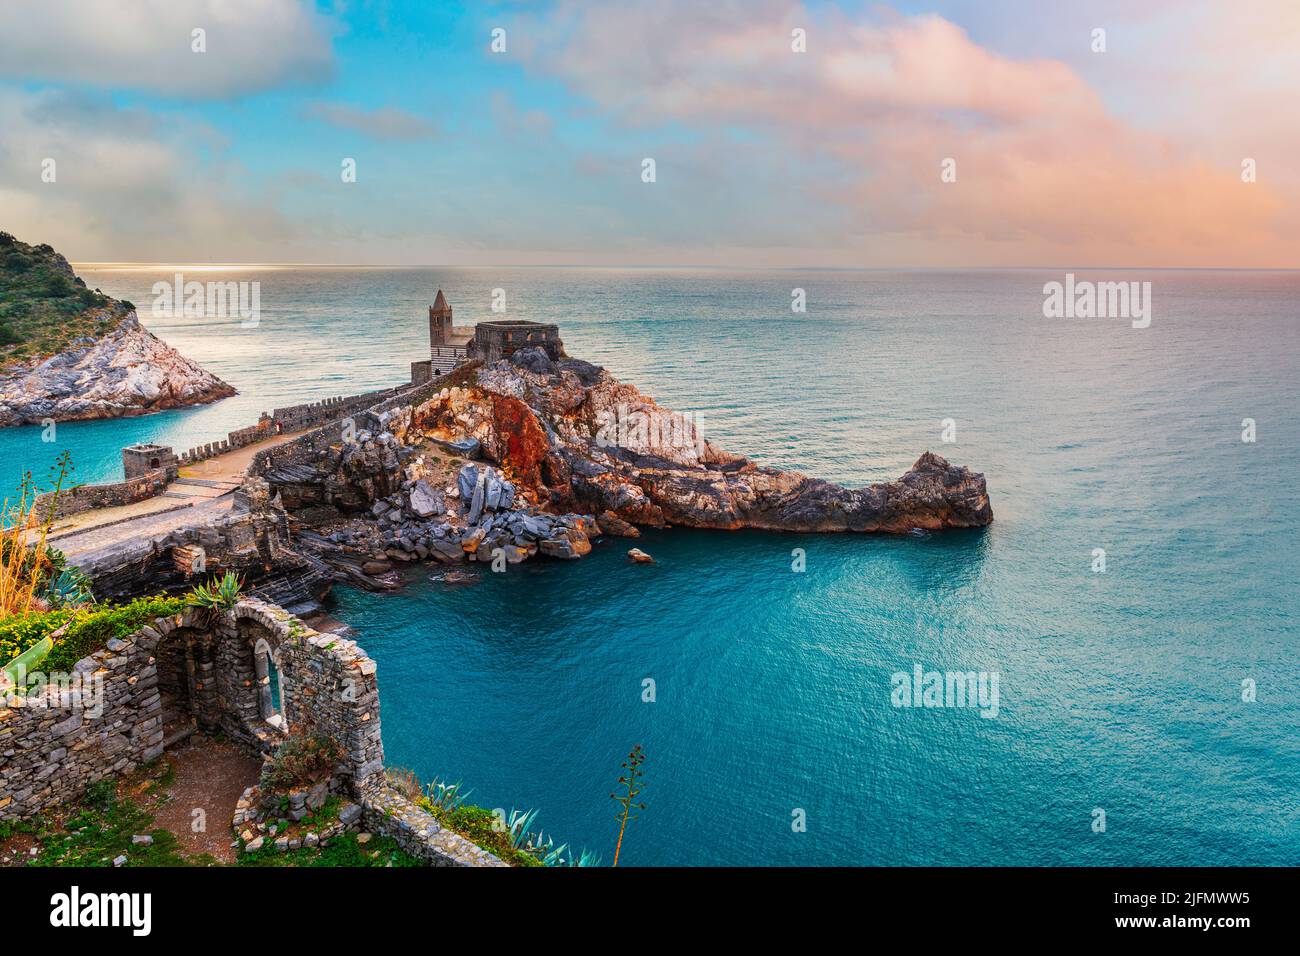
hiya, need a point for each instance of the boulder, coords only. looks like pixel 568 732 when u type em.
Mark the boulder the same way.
pixel 485 490
pixel 640 557
pixel 611 524
pixel 479 498
pixel 535 527
pixel 570 546
pixel 446 550
pixel 425 502
pixel 533 359
pixel 464 447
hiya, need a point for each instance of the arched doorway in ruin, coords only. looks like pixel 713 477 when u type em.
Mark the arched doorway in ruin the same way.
pixel 177 659
pixel 222 675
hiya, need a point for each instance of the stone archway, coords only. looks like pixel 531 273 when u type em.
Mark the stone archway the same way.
pixel 182 657
pixel 175 660
pixel 221 674
pixel 325 683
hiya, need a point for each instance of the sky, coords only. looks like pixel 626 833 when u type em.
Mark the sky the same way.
pixel 944 135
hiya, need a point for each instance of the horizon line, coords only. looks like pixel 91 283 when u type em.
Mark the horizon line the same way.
pixel 233 266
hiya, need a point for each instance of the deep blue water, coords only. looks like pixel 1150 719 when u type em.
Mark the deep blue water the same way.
pixel 1120 691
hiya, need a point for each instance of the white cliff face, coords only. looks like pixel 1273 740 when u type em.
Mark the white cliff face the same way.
pixel 129 371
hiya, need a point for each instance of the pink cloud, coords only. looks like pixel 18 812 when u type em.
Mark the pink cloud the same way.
pixel 1045 173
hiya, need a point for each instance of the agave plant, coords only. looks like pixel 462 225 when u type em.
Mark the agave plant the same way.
pixel 585 858
pixel 517 825
pixel 551 855
pixel 447 796
pixel 69 586
pixel 561 856
pixel 217 596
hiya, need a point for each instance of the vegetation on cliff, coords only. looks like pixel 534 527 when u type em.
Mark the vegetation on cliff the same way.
pixel 510 838
pixel 44 306
pixel 88 629
pixel 69 353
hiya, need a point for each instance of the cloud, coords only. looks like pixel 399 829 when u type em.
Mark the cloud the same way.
pixel 127 185
pixel 1045 173
pixel 146 45
pixel 387 123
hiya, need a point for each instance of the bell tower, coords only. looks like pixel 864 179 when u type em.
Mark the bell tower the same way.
pixel 439 323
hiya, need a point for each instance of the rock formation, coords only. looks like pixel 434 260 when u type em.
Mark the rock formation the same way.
pixel 567 453
pixel 69 353
pixel 129 371
pixel 575 439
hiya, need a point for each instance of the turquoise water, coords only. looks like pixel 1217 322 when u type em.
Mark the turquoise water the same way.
pixel 1120 691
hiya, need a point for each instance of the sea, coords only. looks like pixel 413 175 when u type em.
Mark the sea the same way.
pixel 1134 603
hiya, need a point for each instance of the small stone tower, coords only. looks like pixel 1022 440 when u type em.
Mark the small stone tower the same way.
pixel 140 460
pixel 439 322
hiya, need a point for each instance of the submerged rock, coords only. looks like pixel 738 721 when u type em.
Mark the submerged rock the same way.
pixel 640 557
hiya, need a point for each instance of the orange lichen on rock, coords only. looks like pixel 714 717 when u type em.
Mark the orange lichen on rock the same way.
pixel 525 446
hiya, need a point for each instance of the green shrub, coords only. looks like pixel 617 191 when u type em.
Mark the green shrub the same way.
pixel 302 760
pixel 90 629
pixel 22 631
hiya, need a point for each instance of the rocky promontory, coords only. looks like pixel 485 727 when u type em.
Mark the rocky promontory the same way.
pixel 532 456
pixel 574 438
pixel 69 353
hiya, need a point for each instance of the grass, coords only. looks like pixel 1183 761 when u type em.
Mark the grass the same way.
pixel 99 830
pixel 89 629
pixel 44 306
pixel 344 850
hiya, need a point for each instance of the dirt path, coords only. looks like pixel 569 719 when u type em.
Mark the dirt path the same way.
pixel 209 775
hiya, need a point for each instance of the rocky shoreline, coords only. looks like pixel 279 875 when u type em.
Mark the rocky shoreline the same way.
pixel 531 457
pixel 495 465
pixel 129 371
pixel 70 353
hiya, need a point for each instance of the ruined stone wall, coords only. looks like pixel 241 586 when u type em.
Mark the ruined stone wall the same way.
pixel 298 417
pixel 388 813
pixel 290 419
pixel 252 544
pixel 90 497
pixel 327 685
pixel 55 745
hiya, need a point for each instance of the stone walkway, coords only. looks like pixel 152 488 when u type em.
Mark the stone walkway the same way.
pixel 202 492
